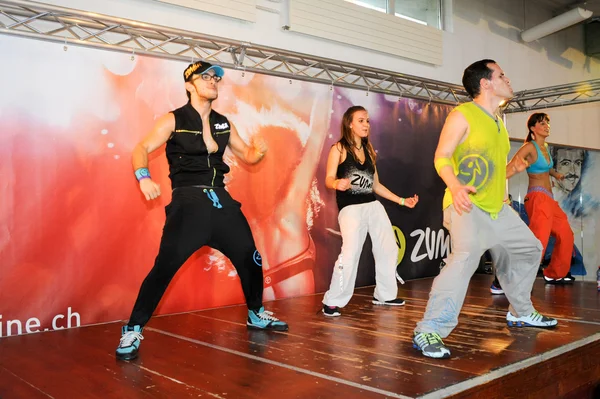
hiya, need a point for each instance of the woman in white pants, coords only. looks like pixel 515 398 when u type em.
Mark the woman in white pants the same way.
pixel 352 173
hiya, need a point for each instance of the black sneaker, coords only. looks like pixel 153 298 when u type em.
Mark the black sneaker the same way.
pixel 549 280
pixel 331 311
pixel 391 302
pixel 568 279
pixel 540 272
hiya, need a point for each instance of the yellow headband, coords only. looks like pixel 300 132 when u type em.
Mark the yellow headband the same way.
pixel 441 162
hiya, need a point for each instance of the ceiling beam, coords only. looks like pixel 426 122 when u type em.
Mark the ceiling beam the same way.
pixel 72 27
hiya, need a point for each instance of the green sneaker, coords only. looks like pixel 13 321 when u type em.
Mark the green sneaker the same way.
pixel 431 345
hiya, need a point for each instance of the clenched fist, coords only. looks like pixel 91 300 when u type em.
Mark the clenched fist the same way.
pixel 150 189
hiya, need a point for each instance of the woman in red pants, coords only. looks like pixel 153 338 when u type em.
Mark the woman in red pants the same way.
pixel 545 216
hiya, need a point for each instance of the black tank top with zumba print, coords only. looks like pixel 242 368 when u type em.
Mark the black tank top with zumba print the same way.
pixel 361 178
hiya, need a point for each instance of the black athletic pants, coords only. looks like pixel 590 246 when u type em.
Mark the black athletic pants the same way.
pixel 199 216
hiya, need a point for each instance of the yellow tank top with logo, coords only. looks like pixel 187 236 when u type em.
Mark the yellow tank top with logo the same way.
pixel 480 160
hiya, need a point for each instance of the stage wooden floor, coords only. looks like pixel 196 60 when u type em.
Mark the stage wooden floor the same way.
pixel 366 353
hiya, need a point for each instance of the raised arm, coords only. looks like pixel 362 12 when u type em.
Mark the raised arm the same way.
pixel 520 161
pixel 250 154
pixel 304 172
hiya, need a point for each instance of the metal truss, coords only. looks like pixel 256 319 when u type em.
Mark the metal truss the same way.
pixel 555 96
pixel 72 27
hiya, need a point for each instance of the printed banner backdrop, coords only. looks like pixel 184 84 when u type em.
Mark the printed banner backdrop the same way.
pixel 578 195
pixel 77 237
pixel 404 133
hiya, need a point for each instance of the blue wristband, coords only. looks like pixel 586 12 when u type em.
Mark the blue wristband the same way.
pixel 142 173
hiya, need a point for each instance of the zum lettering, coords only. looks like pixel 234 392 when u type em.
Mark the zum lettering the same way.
pixel 361 181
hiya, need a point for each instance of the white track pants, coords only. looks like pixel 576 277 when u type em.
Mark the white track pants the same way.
pixel 355 222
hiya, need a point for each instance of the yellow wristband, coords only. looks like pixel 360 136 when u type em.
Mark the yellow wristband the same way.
pixel 441 162
pixel 402 201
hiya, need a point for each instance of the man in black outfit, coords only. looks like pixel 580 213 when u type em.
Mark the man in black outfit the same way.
pixel 201 212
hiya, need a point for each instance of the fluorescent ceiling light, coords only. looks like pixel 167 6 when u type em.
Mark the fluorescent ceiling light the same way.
pixel 555 24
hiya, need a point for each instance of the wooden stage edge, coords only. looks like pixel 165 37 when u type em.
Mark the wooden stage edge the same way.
pixel 366 353
pixel 443 392
pixel 497 374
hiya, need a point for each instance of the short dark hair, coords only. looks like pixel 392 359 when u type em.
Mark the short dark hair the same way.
pixel 533 120
pixel 473 74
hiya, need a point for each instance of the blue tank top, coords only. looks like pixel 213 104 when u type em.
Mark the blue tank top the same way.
pixel 541 165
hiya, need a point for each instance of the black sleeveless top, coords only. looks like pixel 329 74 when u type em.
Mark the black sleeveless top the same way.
pixel 190 164
pixel 361 179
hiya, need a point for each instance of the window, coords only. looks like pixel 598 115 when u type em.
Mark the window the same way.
pixel 425 12
pixel 377 5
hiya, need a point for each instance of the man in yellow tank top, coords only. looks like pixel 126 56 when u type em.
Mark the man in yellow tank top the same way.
pixel 471 158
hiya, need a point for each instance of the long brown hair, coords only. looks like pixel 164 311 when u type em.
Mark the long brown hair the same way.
pixel 347 141
pixel 532 121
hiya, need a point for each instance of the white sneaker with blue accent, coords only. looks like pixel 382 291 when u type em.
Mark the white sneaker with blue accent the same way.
pixel 535 319
pixel 129 344
pixel 496 288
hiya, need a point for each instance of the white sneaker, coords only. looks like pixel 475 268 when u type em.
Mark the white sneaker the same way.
pixel 535 319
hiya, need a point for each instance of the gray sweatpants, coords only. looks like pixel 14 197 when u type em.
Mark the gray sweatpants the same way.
pixel 515 252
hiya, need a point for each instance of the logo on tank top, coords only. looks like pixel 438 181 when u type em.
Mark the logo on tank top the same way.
pixel 224 125
pixel 473 170
pixel 361 181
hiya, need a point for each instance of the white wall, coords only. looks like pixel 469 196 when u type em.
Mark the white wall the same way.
pixel 574 125
pixel 494 28
pixel 554 60
pixel 482 29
